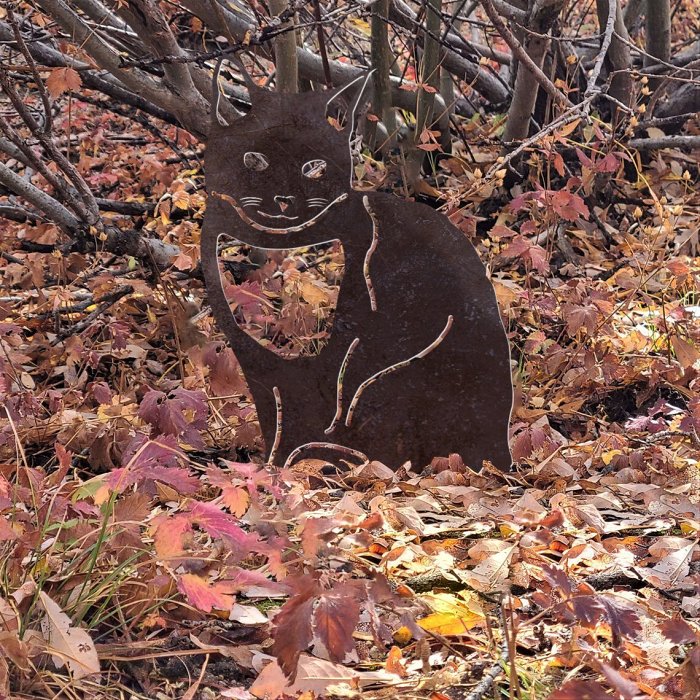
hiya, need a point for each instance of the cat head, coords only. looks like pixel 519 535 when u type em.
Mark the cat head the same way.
pixel 282 170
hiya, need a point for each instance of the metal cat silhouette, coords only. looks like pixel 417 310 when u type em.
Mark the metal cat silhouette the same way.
pixel 417 364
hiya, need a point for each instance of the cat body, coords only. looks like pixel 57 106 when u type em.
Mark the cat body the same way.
pixel 417 363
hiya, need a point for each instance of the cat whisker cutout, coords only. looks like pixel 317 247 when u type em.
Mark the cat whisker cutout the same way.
pixel 392 368
pixel 267 229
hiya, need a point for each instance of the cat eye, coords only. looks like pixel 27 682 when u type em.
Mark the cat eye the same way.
pixel 314 169
pixel 255 161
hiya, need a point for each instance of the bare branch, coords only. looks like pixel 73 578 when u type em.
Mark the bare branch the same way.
pixel 682 143
pixel 102 82
pixel 189 115
pixel 607 39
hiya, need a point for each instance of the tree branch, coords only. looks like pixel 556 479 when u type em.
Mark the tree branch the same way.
pixel 193 119
pixel 46 204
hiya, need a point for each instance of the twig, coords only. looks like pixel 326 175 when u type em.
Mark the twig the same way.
pixel 35 72
pixel 105 303
pixel 278 425
pixel 322 44
pixel 572 114
pixel 605 45
pixel 496 668
pixel 324 446
pixel 393 368
pixel 339 388
pixel 370 252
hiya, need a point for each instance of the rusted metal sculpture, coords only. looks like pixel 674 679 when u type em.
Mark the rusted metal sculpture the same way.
pixel 417 364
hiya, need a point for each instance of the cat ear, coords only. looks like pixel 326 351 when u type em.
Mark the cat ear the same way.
pixel 348 97
pixel 254 89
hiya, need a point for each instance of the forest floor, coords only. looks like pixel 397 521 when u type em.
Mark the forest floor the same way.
pixel 147 552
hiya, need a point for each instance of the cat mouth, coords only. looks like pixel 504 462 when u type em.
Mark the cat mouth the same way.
pixel 276 216
pixel 279 217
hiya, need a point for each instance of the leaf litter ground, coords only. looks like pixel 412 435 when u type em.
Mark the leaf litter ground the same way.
pixel 143 556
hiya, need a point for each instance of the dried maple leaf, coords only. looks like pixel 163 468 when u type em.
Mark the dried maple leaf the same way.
pixel 335 618
pixel 181 413
pixel 293 631
pixel 63 80
pixel 679 631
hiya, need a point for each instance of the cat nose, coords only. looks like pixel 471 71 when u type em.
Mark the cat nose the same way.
pixel 283 201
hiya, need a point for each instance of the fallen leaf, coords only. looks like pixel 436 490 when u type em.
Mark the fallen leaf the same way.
pixel 67 644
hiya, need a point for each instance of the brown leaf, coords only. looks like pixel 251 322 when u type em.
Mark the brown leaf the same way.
pixel 63 80
pixel 67 644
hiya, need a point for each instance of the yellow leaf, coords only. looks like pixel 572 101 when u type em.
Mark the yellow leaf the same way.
pixel 181 200
pixel 448 625
pixel 507 529
pixel 360 24
pixel 568 128
pixel 451 614
pixel 313 294
pixel 690 527
pixel 236 500
pixel 402 636
pixel 608 456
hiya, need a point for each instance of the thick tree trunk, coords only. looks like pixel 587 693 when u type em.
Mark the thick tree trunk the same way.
pixel 381 57
pixel 429 80
pixel 618 58
pixel 286 65
pixel 541 19
pixel 658 30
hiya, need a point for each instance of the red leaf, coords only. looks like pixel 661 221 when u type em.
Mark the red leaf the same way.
pixel 222 525
pixel 678 631
pixel 202 594
pixel 181 413
pixel 569 205
pixel 622 617
pixel 335 618
pixel 224 371
pixel 293 632
pixel 153 460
